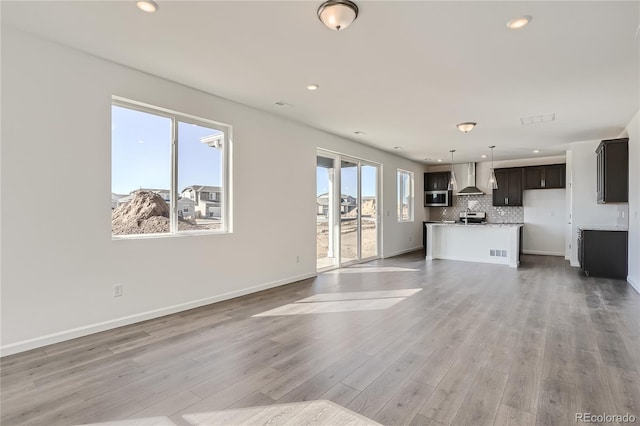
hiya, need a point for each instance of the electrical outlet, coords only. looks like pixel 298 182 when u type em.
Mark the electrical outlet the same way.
pixel 297 259
pixel 117 290
pixel 492 252
pixel 409 239
pixel 503 253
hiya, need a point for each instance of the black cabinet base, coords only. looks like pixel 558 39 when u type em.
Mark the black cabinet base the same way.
pixel 603 253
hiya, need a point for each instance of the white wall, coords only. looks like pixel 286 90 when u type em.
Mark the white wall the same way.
pixel 545 221
pixel 633 132
pixel 585 209
pixel 58 269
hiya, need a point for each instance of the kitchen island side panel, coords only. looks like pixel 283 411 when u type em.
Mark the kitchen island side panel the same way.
pixel 491 243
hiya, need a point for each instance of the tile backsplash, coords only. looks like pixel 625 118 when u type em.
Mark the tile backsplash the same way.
pixel 481 203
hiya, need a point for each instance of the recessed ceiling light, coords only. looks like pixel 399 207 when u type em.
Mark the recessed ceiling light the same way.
pixel 140 141
pixel 535 151
pixel 519 22
pixel 484 156
pixel 397 147
pixel 313 87
pixel 148 6
pixel 439 160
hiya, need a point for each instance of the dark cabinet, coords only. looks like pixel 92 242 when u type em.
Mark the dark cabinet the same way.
pixel 612 164
pixel 437 181
pixel 603 253
pixel 509 192
pixel 544 177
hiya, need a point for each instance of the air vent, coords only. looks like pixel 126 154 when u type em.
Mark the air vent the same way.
pixel 538 119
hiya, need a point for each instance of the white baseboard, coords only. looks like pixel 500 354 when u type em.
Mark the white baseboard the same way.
pixel 574 264
pixel 543 253
pixel 405 251
pixel 61 336
pixel 635 286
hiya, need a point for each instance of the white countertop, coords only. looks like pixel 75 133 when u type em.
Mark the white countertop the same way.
pixel 483 225
pixel 604 228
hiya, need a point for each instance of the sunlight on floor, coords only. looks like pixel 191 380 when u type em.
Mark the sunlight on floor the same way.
pixel 360 269
pixel 319 413
pixel 360 295
pixel 342 302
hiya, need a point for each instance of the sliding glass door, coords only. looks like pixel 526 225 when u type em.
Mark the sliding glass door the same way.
pixel 326 222
pixel 347 217
pixel 349 211
pixel 369 210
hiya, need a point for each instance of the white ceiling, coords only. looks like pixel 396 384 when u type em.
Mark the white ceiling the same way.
pixel 405 72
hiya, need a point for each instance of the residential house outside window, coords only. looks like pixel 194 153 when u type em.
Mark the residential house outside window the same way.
pixel 405 196
pixel 169 172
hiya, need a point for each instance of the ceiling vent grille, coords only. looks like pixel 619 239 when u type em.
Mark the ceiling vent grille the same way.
pixel 538 119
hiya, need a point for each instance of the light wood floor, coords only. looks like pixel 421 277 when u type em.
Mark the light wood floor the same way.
pixel 479 344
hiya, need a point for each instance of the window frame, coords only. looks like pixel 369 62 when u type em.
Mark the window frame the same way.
pixel 225 198
pixel 401 194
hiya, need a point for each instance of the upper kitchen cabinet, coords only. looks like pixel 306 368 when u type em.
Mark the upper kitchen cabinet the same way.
pixel 613 171
pixel 544 177
pixel 509 192
pixel 437 181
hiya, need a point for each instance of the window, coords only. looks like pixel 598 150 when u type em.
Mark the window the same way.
pixel 151 175
pixel 405 196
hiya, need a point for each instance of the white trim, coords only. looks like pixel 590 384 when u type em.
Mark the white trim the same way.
pixel 399 252
pixel 635 286
pixel 400 193
pixel 543 253
pixel 73 333
pixel 574 264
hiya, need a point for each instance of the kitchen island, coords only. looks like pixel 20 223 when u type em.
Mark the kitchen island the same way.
pixel 487 243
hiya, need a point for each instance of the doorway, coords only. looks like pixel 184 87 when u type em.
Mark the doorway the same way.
pixel 347 216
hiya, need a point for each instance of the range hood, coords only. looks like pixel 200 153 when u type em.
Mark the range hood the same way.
pixel 471 188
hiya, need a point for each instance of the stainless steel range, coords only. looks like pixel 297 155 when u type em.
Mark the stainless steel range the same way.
pixel 473 218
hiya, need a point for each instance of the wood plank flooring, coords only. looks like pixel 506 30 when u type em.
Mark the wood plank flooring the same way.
pixel 478 345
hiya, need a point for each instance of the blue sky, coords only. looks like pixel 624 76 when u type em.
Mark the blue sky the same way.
pixel 141 153
pixel 141 157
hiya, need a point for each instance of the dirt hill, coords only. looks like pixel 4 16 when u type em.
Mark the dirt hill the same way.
pixel 146 213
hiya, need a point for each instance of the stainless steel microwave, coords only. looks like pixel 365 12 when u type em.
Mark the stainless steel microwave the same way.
pixel 436 198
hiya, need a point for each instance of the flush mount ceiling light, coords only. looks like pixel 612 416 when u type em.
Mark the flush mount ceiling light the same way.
pixel 337 14
pixel 439 160
pixel 493 182
pixel 519 22
pixel 313 87
pixel 466 127
pixel 453 183
pixel 148 6
pixel 535 151
pixel 484 156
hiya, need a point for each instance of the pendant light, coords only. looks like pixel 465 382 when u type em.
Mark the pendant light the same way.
pixel 493 182
pixel 453 184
